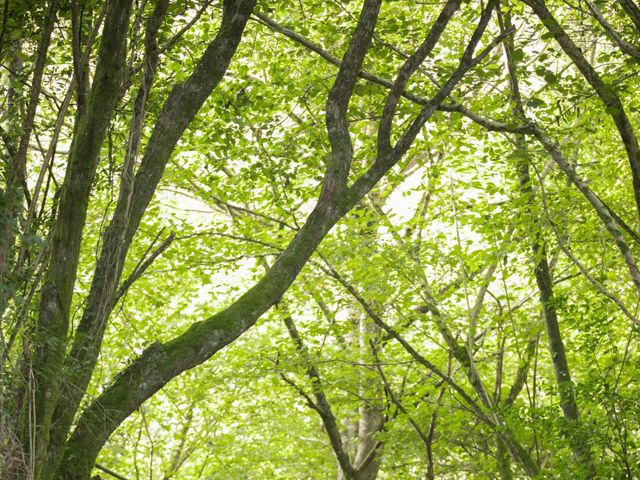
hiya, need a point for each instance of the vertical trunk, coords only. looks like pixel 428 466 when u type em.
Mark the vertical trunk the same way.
pixel 371 419
pixel 541 266
pixel 162 362
pixel 11 193
pixel 15 189
pixel 109 268
pixel 51 330
pixel 361 431
pixel 566 388
pixel 350 431
pixel 178 111
pixel 503 460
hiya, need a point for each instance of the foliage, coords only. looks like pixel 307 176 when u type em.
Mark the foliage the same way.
pixel 308 240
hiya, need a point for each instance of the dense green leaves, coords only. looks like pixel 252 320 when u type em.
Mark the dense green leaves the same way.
pixel 420 331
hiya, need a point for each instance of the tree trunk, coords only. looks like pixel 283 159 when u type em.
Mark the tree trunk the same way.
pixel 50 337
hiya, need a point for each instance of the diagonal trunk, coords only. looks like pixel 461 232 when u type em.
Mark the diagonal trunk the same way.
pixel 608 96
pixel 632 10
pixel 162 362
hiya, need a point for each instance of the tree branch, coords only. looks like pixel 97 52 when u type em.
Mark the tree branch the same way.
pixel 613 105
pixel 624 46
pixel 322 405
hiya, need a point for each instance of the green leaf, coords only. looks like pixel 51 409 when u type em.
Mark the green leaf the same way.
pixel 518 55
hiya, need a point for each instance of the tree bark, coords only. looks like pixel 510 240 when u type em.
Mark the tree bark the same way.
pixel 568 402
pixel 52 326
pixel 79 365
pixel 613 105
pixel 161 362
pixel 566 388
pixel 12 198
pixel 632 11
pixel 371 418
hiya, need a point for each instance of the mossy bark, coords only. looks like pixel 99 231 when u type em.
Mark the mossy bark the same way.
pixel 50 337
pixel 178 112
pixel 162 362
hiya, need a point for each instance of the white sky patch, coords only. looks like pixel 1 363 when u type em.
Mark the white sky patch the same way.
pixel 403 201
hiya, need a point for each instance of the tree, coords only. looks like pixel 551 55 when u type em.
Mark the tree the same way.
pixel 114 110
